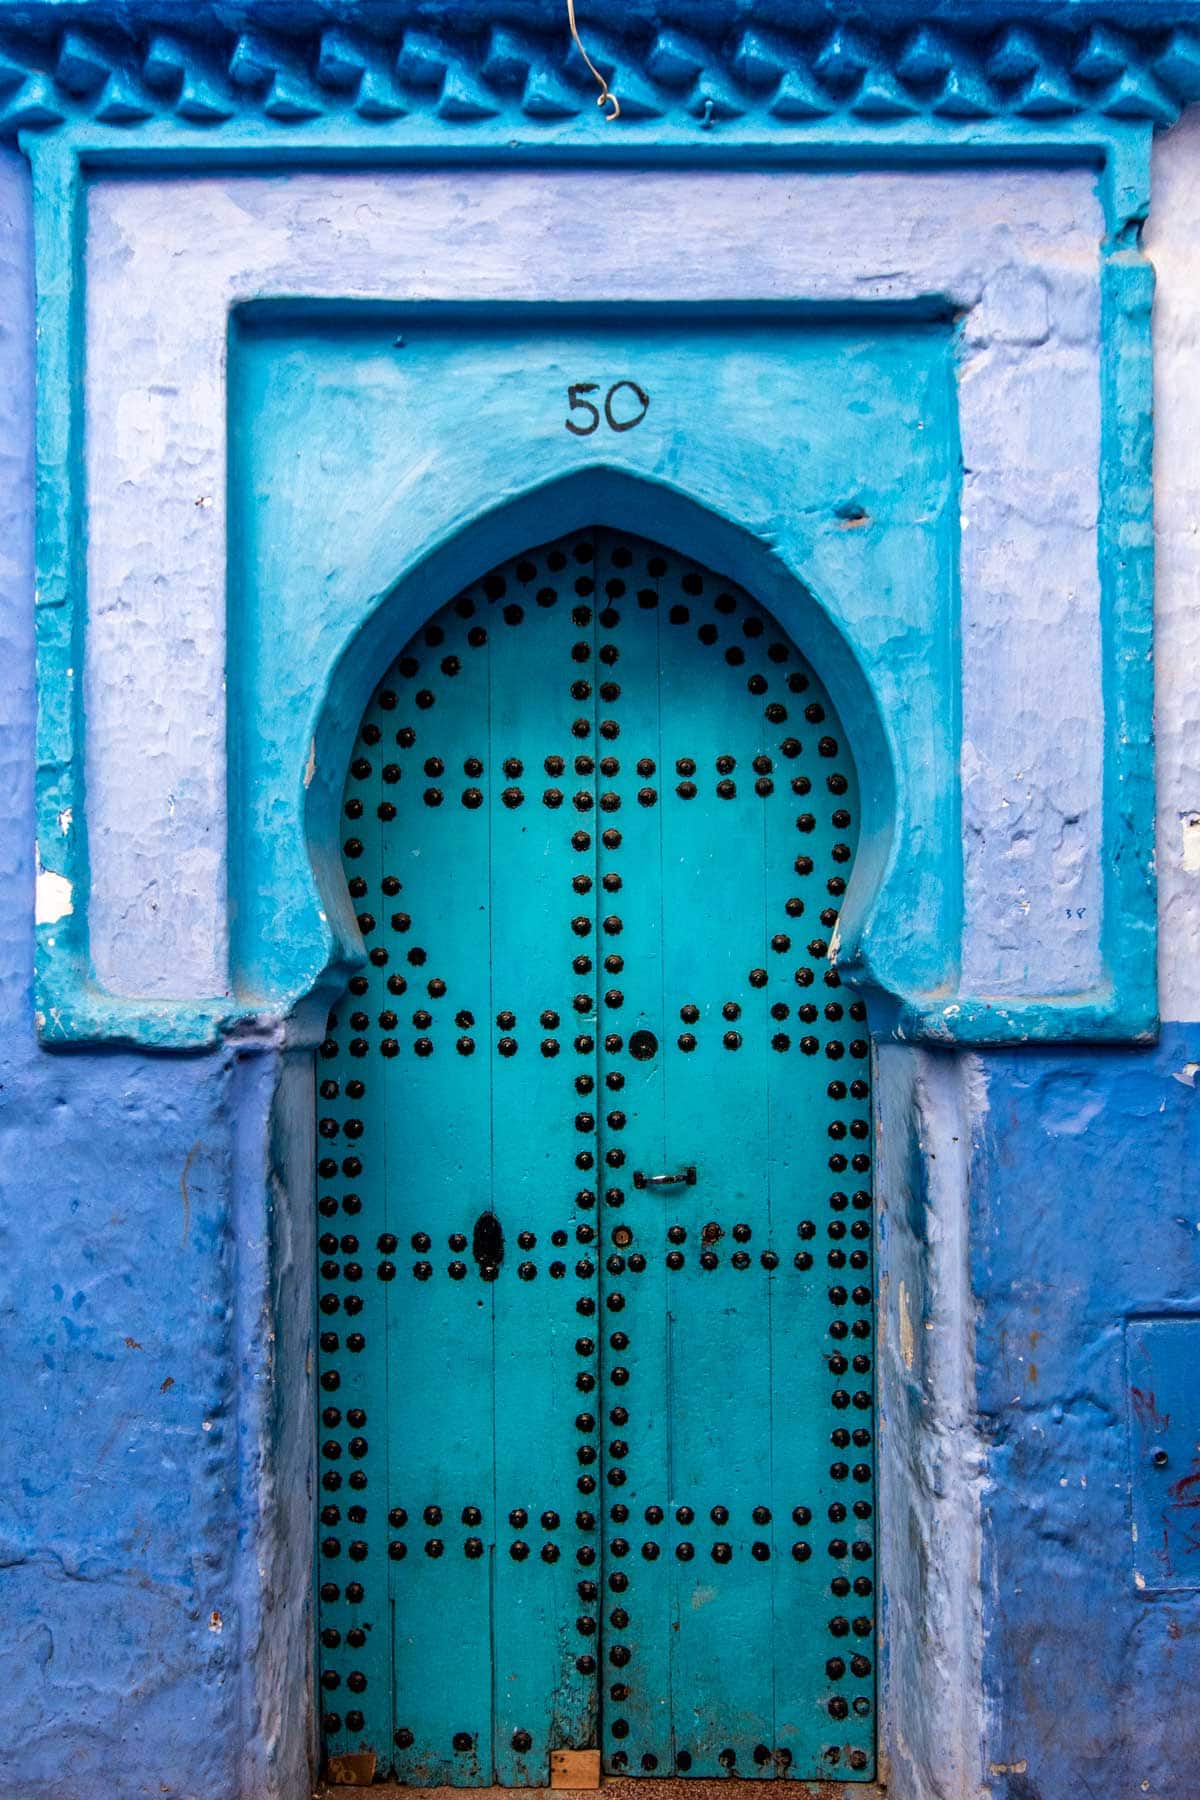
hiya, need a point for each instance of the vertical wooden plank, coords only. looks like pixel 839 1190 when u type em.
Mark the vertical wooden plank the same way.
pixel 719 1396
pixel 821 1178
pixel 440 1348
pixel 544 1152
pixel 798 1149
pixel 637 1602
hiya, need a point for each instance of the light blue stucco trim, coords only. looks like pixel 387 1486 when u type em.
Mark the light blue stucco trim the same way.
pixel 73 1008
pixel 791 559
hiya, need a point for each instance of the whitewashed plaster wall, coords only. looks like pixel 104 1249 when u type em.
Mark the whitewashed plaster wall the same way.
pixel 1017 250
pixel 1173 242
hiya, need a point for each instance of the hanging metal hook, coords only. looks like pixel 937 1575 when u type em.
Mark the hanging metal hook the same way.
pixel 605 95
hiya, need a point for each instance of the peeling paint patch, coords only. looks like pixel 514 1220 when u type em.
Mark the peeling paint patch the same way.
pixel 185 1191
pixel 310 767
pixel 907 1338
pixel 355 1769
pixel 1190 833
pixel 52 897
pixel 1187 1075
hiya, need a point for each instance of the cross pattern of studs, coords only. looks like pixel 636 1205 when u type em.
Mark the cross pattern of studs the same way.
pixel 401 1005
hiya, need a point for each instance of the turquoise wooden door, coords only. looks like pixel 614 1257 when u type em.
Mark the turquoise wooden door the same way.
pixel 594 1198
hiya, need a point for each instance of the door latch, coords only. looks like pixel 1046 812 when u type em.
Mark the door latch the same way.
pixel 685 1178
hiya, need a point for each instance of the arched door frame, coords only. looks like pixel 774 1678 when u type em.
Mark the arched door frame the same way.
pixel 610 497
pixel 929 1457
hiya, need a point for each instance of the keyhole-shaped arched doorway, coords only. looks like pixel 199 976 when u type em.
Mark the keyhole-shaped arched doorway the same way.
pixel 595 1304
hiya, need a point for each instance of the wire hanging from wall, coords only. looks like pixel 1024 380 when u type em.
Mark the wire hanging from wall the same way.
pixel 606 94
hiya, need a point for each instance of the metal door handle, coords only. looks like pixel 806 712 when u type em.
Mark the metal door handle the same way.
pixel 685 1176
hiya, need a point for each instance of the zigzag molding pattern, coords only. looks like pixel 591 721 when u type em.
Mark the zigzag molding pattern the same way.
pixel 514 79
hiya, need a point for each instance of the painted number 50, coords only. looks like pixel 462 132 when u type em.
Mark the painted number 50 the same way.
pixel 622 410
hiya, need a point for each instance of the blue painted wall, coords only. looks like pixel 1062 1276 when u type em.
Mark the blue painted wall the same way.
pixel 140 1442
pixel 1084 1210
pixel 127 1514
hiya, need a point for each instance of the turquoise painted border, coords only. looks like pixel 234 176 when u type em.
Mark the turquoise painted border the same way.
pixel 71 1007
pixel 486 531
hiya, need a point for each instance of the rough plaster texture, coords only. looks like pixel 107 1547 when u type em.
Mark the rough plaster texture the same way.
pixel 1173 243
pixel 1032 1202
pixel 154 1519
pixel 929 1111
pixel 1083 1210
pixel 1016 250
